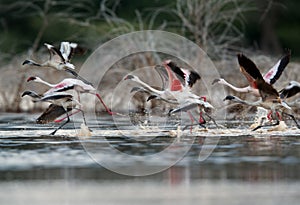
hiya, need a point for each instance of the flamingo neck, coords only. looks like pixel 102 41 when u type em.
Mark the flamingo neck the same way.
pixel 148 87
pixel 241 90
pixel 256 103
pixel 39 80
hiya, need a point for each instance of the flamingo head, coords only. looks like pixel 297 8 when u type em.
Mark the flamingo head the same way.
pixel 30 62
pixel 30 93
pixel 129 77
pixel 229 97
pixel 216 81
pixel 31 78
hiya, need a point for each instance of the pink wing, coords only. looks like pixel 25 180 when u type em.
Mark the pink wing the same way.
pixel 174 83
pixel 275 72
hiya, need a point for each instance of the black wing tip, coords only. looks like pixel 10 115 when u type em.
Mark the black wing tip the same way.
pixel 288 51
pixel 242 58
pixel 249 66
pixel 194 76
pixel 284 61
pixel 170 63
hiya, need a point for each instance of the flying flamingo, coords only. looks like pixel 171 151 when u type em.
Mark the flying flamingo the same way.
pixel 176 90
pixel 270 98
pixel 62 99
pixel 71 84
pixel 59 59
pixel 270 77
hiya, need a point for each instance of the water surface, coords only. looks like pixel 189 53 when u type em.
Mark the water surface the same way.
pixel 244 167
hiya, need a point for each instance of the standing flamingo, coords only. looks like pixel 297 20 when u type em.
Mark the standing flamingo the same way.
pixel 270 77
pixel 71 84
pixel 269 96
pixel 59 59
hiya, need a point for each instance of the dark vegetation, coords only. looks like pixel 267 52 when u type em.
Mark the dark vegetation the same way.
pixel 221 27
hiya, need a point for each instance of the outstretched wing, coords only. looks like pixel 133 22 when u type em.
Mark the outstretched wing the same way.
pixel 249 69
pixel 186 77
pixel 174 83
pixel 55 54
pixel 292 89
pixel 67 50
pixel 162 71
pixel 275 72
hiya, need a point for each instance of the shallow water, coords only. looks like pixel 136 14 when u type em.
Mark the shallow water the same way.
pixel 244 167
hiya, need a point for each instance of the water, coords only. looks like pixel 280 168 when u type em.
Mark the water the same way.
pixel 244 168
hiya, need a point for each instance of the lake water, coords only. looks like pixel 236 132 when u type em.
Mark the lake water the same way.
pixel 244 167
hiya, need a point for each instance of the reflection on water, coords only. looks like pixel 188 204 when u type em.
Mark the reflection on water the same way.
pixel 239 163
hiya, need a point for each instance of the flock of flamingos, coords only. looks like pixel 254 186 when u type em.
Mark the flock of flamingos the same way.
pixel 177 83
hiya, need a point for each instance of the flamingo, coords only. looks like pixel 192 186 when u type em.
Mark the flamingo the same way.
pixel 290 90
pixel 270 77
pixel 176 90
pixel 270 98
pixel 59 59
pixel 62 99
pixel 71 84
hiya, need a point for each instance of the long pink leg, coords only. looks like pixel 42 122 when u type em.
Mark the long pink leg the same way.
pixel 192 120
pixel 279 116
pixel 106 108
pixel 269 116
pixel 63 118
pixel 201 119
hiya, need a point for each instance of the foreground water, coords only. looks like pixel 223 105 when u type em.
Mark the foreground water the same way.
pixel 244 167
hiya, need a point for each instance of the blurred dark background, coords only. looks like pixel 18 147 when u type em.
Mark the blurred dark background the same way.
pixel 269 26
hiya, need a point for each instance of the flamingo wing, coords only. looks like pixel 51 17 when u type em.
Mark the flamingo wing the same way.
pixel 186 77
pixel 55 54
pixel 67 50
pixel 175 83
pixel 275 72
pixel 249 69
pixel 192 77
pixel 162 71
